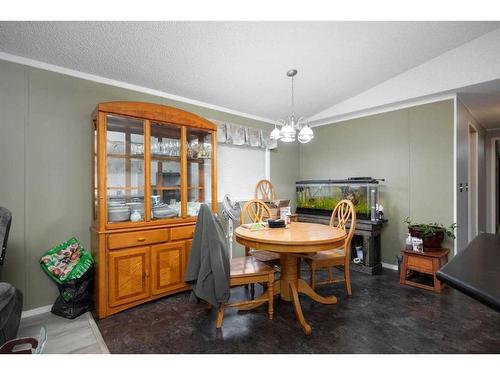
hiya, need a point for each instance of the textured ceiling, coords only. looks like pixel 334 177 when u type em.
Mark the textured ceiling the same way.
pixel 242 65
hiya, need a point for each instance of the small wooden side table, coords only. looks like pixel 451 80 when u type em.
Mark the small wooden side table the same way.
pixel 427 262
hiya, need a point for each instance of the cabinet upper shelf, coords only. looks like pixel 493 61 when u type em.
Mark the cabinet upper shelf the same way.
pixel 157 157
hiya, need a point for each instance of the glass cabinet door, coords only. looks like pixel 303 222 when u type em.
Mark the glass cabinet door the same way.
pixel 125 169
pixel 165 149
pixel 95 193
pixel 199 169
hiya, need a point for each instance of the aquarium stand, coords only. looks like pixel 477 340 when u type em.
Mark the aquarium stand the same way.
pixel 367 234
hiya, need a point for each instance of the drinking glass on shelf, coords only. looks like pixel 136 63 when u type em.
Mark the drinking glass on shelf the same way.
pixel 155 147
pixel 173 151
pixel 170 148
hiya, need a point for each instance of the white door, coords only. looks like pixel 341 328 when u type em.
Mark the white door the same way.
pixel 472 182
pixel 462 150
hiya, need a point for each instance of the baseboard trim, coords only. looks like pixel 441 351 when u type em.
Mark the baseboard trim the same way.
pixel 97 334
pixel 37 311
pixel 390 266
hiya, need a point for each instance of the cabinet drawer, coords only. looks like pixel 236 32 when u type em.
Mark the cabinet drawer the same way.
pixel 130 239
pixel 182 233
pixel 419 263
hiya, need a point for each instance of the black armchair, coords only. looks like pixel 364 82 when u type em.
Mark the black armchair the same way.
pixel 5 221
pixel 11 299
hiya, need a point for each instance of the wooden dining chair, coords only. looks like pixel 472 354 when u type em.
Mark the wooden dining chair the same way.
pixel 256 210
pixel 244 271
pixel 344 211
pixel 265 191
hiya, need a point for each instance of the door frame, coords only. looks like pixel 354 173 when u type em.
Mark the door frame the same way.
pixel 493 178
pixel 473 184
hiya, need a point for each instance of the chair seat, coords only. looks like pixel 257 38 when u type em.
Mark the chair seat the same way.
pixel 264 256
pixel 244 271
pixel 328 254
pixel 247 266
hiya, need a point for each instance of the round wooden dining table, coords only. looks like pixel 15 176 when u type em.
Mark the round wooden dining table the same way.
pixel 297 238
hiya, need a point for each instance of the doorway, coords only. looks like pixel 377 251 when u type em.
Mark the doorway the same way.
pixel 472 184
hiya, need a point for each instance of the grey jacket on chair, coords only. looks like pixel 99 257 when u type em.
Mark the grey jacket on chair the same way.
pixel 208 269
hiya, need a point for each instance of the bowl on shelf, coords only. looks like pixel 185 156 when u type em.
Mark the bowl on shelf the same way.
pixel 136 206
pixel 118 212
pixel 163 211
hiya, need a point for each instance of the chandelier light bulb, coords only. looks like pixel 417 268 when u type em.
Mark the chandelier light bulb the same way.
pixel 287 139
pixel 287 133
pixel 305 134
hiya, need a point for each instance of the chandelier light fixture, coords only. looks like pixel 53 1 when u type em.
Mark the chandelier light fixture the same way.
pixel 289 128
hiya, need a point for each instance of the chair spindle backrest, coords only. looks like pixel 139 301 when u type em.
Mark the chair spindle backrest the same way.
pixel 343 212
pixel 256 210
pixel 265 191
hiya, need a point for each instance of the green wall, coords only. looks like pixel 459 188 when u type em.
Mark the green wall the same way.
pixel 45 165
pixel 411 148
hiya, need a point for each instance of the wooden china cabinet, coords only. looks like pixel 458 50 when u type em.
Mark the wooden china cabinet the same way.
pixel 153 166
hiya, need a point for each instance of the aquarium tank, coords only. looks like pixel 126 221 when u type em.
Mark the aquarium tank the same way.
pixel 319 197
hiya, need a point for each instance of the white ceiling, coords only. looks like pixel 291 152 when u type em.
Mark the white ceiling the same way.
pixel 483 101
pixel 242 65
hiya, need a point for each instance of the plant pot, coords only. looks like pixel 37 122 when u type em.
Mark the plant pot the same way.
pixel 431 243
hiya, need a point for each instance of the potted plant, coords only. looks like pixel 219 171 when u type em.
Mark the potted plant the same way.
pixel 432 234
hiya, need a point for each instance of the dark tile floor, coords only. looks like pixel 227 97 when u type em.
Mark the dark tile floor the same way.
pixel 381 316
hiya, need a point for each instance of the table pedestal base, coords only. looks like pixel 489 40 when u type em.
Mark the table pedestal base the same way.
pixel 289 286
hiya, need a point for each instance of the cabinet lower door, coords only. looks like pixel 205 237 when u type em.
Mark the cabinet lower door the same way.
pixel 167 265
pixel 129 275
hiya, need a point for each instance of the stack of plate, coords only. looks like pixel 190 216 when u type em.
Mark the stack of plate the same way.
pixel 162 210
pixel 118 212
pixel 114 200
pixel 136 206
